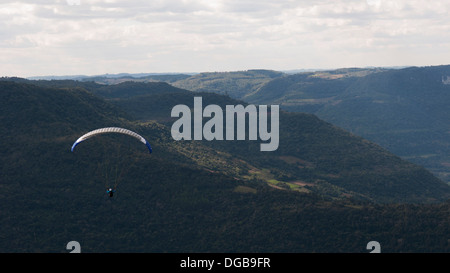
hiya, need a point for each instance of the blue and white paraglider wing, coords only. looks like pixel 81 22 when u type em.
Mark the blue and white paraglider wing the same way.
pixel 111 130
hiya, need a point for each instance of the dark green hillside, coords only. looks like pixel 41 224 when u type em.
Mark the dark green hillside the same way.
pixel 168 201
pixel 312 156
pixel 41 112
pixel 325 160
pixel 124 89
pixel 132 89
pixel 159 106
pixel 356 164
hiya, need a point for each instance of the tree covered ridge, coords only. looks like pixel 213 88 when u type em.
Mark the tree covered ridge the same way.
pixel 173 201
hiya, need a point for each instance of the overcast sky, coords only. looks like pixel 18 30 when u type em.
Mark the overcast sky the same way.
pixel 91 37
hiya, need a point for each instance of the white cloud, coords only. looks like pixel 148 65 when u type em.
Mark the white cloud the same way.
pixel 99 36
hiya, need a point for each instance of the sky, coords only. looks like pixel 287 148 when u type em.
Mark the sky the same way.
pixel 93 37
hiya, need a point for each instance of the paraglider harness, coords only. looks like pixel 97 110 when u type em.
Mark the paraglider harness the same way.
pixel 111 192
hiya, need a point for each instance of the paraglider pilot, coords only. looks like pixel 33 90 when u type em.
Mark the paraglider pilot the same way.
pixel 111 192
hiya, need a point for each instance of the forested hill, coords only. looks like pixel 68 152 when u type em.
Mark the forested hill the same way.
pixel 311 152
pixel 403 110
pixel 315 193
pixel 313 156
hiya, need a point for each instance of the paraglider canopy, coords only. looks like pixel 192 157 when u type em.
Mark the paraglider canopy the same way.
pixel 111 130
